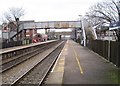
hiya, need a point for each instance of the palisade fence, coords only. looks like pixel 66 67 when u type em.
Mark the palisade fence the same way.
pixel 110 50
pixel 14 43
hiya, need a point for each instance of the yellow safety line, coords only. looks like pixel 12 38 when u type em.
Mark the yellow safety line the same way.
pixel 76 56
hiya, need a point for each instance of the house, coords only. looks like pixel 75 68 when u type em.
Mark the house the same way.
pixel 103 33
pixel 26 30
pixel 116 27
pixel 29 29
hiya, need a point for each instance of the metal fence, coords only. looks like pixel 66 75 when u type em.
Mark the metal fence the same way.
pixel 11 44
pixel 109 50
pixel 14 43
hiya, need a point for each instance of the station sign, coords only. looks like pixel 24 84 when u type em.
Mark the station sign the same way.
pixel 5 29
pixel 61 24
pixel 114 26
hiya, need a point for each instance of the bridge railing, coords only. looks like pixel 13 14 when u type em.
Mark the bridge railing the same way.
pixel 102 48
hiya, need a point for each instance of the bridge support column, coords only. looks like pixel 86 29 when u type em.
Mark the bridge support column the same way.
pixel 45 30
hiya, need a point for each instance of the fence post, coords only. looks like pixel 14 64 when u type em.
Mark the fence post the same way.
pixel 109 50
pixel 118 56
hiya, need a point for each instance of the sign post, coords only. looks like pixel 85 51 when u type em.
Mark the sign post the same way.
pixel 116 26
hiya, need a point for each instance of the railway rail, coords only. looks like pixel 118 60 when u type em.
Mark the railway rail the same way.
pixel 15 51
pixel 38 73
pixel 6 65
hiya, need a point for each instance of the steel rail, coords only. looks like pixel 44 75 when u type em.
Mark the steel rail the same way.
pixel 23 75
pixel 49 69
pixel 34 53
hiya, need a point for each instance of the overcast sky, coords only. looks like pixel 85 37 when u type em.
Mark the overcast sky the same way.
pixel 49 10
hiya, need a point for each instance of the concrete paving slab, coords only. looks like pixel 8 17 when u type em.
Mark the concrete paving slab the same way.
pixel 56 75
pixel 85 67
pixel 78 66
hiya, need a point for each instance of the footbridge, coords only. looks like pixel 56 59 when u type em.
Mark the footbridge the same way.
pixel 52 24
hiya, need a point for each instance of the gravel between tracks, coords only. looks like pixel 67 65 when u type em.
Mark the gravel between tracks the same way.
pixel 15 61
pixel 11 75
pixel 36 75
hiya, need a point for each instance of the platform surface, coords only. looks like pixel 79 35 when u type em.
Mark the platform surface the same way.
pixel 79 65
pixel 5 50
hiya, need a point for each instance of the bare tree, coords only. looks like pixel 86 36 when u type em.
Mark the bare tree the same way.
pixel 14 14
pixel 105 12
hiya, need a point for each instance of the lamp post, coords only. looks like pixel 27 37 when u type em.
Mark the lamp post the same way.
pixel 83 30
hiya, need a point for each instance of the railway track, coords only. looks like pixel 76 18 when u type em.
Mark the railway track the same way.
pixel 38 73
pixel 21 58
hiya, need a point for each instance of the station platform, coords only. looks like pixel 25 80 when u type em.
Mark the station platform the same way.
pixel 5 50
pixel 79 65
